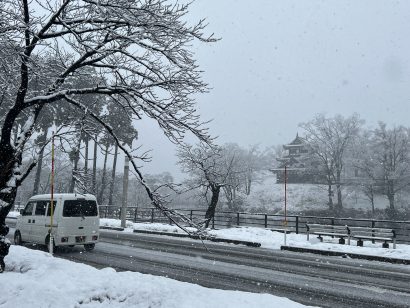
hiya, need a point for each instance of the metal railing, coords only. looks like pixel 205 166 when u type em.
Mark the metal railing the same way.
pixel 296 223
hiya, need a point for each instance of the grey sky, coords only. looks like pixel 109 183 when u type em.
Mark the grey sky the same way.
pixel 281 62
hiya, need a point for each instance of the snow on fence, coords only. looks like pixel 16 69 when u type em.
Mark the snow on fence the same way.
pixel 296 223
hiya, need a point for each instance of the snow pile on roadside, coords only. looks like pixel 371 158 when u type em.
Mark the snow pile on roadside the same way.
pixel 130 226
pixel 273 240
pixel 36 279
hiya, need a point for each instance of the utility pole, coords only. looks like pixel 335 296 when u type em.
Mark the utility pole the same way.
pixel 125 191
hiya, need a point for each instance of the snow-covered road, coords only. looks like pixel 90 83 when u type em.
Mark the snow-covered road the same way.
pixel 309 279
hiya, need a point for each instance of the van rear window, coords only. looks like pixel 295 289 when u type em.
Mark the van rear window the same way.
pixel 80 208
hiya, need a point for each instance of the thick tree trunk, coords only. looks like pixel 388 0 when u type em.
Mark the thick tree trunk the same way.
pixel 103 178
pixel 210 212
pixel 114 166
pixel 43 139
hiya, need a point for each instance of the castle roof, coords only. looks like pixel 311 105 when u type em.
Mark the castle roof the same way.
pixel 297 142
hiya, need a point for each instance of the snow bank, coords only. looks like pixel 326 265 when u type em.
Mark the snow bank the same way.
pixel 36 279
pixel 274 240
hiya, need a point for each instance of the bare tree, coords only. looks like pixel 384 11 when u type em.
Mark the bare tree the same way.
pixel 390 160
pixel 140 51
pixel 209 171
pixel 329 140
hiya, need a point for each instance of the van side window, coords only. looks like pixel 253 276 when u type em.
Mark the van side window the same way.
pixel 28 210
pixel 40 208
pixel 49 207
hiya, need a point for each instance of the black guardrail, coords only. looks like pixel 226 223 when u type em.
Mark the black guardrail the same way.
pixel 296 223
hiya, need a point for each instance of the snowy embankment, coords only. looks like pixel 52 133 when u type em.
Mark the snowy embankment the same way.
pixel 36 279
pixel 274 240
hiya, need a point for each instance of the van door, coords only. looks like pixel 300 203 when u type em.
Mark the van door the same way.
pixel 38 226
pixel 79 219
pixel 25 221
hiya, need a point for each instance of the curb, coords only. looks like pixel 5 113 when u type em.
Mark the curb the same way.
pixel 346 254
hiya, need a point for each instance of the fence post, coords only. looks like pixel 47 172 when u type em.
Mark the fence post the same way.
pixel 297 224
pixel 237 218
pixel 373 224
pixel 332 222
pixel 106 211
pixel 119 213
pixel 213 222
pixel 152 215
pixel 190 215
pixel 266 220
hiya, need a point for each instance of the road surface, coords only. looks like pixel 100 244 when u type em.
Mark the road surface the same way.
pixel 306 278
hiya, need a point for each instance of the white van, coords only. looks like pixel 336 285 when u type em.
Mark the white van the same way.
pixel 75 221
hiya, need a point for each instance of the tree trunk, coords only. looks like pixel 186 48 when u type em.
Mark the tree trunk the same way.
pixel 339 197
pixel 9 159
pixel 75 169
pixel 390 194
pixel 114 166
pixel 43 139
pixel 330 195
pixel 76 158
pixel 86 184
pixel 94 188
pixel 210 212
pixel 339 191
pixel 248 185
pixel 103 178
pixel 370 194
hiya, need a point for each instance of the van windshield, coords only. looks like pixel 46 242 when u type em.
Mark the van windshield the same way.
pixel 80 208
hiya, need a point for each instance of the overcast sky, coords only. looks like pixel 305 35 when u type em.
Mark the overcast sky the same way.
pixel 279 63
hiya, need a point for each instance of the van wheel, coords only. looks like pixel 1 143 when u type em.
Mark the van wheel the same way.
pixel 17 238
pixel 47 242
pixel 89 247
